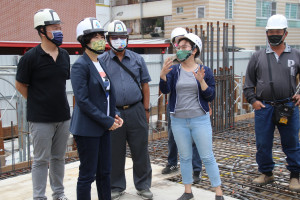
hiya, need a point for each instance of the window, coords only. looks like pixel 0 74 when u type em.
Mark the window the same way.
pixel 228 9
pixel 179 10
pixel 100 1
pixel 292 13
pixel 264 10
pixel 201 12
pixel 295 46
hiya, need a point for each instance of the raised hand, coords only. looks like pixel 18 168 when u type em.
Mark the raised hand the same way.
pixel 166 68
pixel 199 75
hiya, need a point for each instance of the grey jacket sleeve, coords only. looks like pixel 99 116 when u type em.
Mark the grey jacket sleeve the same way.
pixel 250 80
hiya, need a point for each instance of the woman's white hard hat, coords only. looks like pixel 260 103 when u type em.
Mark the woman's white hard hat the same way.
pixel 87 26
pixel 194 38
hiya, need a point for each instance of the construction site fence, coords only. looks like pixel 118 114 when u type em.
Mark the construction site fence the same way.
pixel 15 142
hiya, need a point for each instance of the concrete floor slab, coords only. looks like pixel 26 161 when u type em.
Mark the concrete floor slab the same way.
pixel 20 187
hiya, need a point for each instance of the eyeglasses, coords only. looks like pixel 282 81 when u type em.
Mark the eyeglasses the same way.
pixel 183 47
pixel 115 37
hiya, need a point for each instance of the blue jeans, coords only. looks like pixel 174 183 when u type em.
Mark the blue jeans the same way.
pixel 95 164
pixel 172 154
pixel 264 132
pixel 199 130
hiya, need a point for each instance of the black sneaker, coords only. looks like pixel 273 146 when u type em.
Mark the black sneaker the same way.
pixel 197 176
pixel 169 169
pixel 186 196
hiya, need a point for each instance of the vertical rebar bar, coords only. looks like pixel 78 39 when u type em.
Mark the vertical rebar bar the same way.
pixel 233 74
pixel 12 146
pixel 207 46
pixel 226 97
pixel 227 52
pixel 211 46
pixel 223 48
pixel 218 47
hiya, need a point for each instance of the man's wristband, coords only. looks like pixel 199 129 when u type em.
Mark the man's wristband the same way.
pixel 147 109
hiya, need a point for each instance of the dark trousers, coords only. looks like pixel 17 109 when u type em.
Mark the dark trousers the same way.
pixel 172 155
pixel 264 132
pixel 95 164
pixel 135 132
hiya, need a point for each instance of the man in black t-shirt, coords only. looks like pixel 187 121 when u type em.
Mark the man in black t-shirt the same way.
pixel 41 79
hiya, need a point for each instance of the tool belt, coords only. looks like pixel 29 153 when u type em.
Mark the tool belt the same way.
pixel 281 113
pixel 273 103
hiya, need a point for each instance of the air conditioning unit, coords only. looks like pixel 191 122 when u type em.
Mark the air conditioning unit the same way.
pixel 157 30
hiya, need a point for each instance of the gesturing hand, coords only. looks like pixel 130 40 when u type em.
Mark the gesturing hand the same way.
pixel 166 68
pixel 199 75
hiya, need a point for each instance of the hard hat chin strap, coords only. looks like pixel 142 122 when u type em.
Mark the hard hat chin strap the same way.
pixel 93 50
pixel 44 32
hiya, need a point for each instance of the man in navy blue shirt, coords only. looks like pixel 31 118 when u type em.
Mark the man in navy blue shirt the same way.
pixel 132 100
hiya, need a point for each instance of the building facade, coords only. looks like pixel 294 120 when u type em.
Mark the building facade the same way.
pixel 18 33
pixel 150 19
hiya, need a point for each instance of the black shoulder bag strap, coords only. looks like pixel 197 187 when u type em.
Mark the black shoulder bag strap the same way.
pixel 271 82
pixel 270 76
pixel 129 72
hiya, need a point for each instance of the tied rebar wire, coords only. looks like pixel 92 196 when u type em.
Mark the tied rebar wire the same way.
pixel 235 150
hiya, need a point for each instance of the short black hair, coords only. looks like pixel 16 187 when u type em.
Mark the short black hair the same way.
pixel 86 39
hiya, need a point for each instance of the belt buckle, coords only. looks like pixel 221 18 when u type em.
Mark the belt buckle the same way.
pixel 125 107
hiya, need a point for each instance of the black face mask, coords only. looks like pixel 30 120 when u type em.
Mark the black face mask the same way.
pixel 275 40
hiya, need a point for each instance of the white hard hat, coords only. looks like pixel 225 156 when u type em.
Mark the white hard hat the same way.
pixel 277 22
pixel 194 38
pixel 88 25
pixel 179 31
pixel 46 17
pixel 116 27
